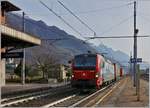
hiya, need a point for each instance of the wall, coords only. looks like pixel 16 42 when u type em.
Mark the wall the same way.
pixel 2 18
pixel 2 73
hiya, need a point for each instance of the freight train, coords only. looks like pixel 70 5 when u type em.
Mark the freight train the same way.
pixel 93 71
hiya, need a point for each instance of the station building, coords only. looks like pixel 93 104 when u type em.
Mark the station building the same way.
pixel 11 38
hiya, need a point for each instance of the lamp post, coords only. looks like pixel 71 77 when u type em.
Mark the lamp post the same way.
pixel 23 59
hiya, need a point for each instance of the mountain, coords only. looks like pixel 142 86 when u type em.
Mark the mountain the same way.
pixel 67 45
pixel 65 48
pixel 116 56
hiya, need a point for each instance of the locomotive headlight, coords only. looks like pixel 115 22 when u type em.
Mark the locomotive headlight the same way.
pixel 72 76
pixel 96 75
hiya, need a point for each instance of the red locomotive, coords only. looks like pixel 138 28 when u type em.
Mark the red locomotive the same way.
pixel 93 70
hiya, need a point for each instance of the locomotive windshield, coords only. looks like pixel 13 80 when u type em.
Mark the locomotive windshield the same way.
pixel 85 62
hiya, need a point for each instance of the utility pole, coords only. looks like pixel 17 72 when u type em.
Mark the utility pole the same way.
pixel 136 67
pixel 138 83
pixel 131 72
pixel 23 59
pixel 135 45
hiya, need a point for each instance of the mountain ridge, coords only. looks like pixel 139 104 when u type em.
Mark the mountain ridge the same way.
pixel 70 44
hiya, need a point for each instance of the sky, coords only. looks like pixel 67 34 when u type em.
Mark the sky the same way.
pixel 105 17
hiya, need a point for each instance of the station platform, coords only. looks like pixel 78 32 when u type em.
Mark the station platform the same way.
pixel 11 89
pixel 124 95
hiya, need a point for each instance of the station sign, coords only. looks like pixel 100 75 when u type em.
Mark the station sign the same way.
pixel 12 55
pixel 133 60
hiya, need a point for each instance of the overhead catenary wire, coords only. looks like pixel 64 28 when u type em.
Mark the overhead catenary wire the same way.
pixel 54 40
pixel 77 17
pixel 145 18
pixel 89 11
pixel 49 39
pixel 104 9
pixel 112 8
pixel 116 25
pixel 111 37
pixel 112 27
pixel 145 14
pixel 60 18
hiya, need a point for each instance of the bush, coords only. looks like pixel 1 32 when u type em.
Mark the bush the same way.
pixel 15 80
pixel 28 71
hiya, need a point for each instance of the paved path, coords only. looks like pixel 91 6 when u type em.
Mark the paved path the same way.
pixel 125 95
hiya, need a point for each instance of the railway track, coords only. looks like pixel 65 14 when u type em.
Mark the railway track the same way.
pixel 83 100
pixel 28 98
pixel 61 97
pixel 94 99
pixel 72 100
pixel 7 99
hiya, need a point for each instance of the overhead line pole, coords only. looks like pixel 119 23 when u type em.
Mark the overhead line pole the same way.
pixel 135 66
pixel 135 45
pixel 131 67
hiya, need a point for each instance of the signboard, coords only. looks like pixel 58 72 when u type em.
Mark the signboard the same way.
pixel 12 55
pixel 139 59
pixel 133 60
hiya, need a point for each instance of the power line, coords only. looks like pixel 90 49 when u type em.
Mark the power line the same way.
pixel 145 18
pixel 114 26
pixel 104 9
pixel 117 37
pixel 34 23
pixel 77 17
pixel 44 39
pixel 145 14
pixel 86 12
pixel 55 39
pixel 60 18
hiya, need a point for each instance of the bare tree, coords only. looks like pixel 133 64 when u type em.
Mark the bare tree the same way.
pixel 44 59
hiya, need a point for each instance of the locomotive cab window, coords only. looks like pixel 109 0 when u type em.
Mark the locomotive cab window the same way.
pixel 85 62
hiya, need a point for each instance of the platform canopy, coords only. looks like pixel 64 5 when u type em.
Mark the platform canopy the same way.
pixel 8 6
pixel 13 38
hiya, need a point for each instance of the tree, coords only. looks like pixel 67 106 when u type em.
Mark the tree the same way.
pixel 69 73
pixel 18 70
pixel 44 60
